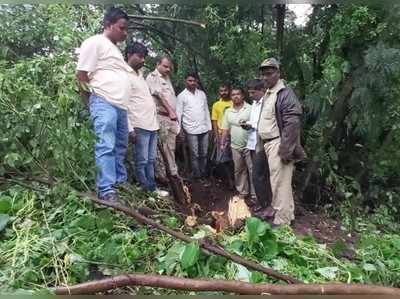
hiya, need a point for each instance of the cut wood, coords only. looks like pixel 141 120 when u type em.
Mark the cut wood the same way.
pixel 203 244
pixel 219 285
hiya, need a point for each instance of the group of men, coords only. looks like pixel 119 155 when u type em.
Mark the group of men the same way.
pixel 262 139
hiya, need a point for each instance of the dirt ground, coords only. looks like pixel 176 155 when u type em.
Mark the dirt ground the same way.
pixel 214 195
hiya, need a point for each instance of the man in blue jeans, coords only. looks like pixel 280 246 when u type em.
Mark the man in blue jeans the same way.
pixel 104 78
pixel 142 119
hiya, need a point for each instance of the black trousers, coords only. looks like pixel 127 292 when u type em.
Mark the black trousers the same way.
pixel 262 184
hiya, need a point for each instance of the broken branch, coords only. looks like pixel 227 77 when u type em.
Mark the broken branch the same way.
pixel 219 285
pixel 203 244
pixel 202 25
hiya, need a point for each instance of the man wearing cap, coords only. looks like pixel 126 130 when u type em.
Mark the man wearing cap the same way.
pixel 279 132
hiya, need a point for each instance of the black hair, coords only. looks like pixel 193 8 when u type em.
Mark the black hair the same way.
pixel 160 58
pixel 225 84
pixel 137 48
pixel 112 16
pixel 191 74
pixel 237 88
pixel 256 84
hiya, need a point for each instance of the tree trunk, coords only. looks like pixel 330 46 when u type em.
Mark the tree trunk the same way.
pixel 220 285
pixel 280 27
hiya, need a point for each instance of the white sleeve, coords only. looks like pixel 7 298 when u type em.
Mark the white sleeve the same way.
pixel 207 112
pixel 179 108
pixel 88 55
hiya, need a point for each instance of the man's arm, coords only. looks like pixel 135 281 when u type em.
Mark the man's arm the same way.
pixel 207 112
pixel 83 82
pixel 224 136
pixel 291 124
pixel 164 102
pixel 155 90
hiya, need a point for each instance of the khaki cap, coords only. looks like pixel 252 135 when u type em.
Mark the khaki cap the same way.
pixel 270 62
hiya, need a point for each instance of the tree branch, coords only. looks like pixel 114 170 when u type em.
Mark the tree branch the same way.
pixel 165 19
pixel 220 285
pixel 203 244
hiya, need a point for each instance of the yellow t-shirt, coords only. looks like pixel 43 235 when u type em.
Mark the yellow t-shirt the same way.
pixel 218 110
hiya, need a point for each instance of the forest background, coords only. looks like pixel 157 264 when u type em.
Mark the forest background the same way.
pixel 343 63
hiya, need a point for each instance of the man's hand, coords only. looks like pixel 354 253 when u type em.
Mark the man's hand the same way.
pixel 245 126
pixel 172 115
pixel 180 137
pixel 132 136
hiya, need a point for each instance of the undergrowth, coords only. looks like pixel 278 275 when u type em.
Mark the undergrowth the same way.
pixel 56 238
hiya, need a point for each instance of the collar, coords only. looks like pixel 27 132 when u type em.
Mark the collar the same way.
pixel 195 91
pixel 278 86
pixel 157 73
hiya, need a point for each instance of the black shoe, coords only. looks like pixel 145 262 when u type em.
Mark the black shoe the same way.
pixel 111 196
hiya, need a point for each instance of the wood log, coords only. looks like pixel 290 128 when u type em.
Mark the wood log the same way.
pixel 219 285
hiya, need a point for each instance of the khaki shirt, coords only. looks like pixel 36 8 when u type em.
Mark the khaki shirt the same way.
pixel 268 126
pixel 161 85
pixel 231 122
pixel 142 111
pixel 108 72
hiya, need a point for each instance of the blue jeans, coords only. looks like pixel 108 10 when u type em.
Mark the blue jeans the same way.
pixel 111 128
pixel 145 156
pixel 198 146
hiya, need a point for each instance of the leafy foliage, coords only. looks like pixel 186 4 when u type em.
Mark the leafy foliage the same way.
pixel 344 64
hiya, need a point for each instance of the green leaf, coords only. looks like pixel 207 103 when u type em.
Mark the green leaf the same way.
pixel 4 218
pixel 236 246
pixel 11 158
pixel 190 255
pixel 369 267
pixel 255 228
pixel 328 272
pixel 104 220
pixel 5 205
pixel 270 248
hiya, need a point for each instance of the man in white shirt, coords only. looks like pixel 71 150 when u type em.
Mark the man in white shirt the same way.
pixel 194 116
pixel 142 119
pixel 104 78
pixel 260 174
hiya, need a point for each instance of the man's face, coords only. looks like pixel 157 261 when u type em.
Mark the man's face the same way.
pixel 223 92
pixel 164 67
pixel 118 30
pixel 136 61
pixel 270 75
pixel 256 95
pixel 237 96
pixel 191 83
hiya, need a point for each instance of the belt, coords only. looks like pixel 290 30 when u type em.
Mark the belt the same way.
pixel 163 113
pixel 269 139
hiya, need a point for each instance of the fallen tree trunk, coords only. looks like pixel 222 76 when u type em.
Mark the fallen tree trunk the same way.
pixel 203 244
pixel 238 287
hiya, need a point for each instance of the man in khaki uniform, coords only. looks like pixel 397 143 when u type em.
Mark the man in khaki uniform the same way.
pixel 279 131
pixel 164 95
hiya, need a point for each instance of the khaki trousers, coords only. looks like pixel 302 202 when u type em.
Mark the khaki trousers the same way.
pixel 167 135
pixel 243 172
pixel 281 184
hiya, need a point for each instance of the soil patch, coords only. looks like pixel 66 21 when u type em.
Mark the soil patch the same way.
pixel 214 194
